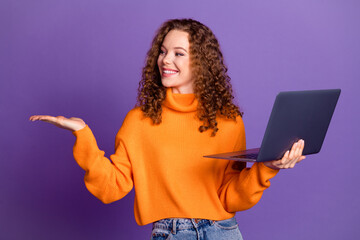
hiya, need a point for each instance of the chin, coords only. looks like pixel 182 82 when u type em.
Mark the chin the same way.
pixel 167 84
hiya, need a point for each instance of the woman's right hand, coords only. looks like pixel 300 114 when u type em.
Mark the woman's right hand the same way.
pixel 72 124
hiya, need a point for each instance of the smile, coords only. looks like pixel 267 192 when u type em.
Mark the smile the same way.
pixel 169 72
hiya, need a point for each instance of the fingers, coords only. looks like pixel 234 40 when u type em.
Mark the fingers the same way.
pixel 278 163
pixel 57 121
pixel 301 158
pixel 41 118
pixel 285 158
pixel 297 149
pixel 296 153
pixel 72 124
pixel 35 117
pixel 291 157
pixel 292 165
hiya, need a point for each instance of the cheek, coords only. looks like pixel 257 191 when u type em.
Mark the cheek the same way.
pixel 186 67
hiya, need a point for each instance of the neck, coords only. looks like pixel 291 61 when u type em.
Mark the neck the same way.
pixel 180 102
pixel 182 91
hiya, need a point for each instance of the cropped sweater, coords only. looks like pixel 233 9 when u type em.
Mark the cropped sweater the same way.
pixel 165 165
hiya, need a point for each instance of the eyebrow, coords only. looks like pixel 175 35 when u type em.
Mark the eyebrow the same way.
pixel 176 48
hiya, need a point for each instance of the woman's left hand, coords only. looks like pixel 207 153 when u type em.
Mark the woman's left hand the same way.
pixel 290 158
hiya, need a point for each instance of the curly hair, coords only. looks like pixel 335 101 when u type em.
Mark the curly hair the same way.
pixel 212 87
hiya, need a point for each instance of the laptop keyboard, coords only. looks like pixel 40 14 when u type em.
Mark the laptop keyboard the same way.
pixel 249 156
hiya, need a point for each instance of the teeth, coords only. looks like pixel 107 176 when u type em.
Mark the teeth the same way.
pixel 169 72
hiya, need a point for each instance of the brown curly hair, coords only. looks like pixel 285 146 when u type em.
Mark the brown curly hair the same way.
pixel 212 86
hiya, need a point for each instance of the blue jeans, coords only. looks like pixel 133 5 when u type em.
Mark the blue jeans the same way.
pixel 195 229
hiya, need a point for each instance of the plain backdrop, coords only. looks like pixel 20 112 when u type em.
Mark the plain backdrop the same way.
pixel 84 58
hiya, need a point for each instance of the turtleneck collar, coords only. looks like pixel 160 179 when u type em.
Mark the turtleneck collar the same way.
pixel 180 102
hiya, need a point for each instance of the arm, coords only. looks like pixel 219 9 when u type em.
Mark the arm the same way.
pixel 243 187
pixel 242 190
pixel 107 180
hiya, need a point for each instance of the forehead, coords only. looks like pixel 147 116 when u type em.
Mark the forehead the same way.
pixel 176 38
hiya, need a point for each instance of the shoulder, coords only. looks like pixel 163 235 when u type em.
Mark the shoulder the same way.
pixel 240 122
pixel 133 117
pixel 134 122
pixel 129 124
pixel 133 114
pixel 231 123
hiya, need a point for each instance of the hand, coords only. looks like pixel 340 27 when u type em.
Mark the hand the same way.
pixel 72 124
pixel 290 158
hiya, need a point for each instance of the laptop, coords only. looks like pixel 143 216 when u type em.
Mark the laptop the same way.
pixel 295 115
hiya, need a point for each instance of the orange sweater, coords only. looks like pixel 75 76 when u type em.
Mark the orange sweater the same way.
pixel 165 163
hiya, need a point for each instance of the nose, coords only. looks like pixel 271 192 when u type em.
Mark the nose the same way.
pixel 166 59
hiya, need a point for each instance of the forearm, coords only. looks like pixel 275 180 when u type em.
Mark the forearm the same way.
pixel 102 178
pixel 242 190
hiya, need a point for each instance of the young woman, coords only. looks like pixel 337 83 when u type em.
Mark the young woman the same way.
pixel 184 111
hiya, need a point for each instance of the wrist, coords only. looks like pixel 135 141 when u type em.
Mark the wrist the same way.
pixel 269 164
pixel 78 128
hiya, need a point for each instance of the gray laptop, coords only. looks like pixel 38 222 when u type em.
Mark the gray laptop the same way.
pixel 295 115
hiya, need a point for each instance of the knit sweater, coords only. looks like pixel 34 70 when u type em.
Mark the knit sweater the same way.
pixel 165 165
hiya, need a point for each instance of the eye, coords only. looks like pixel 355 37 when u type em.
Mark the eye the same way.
pixel 162 52
pixel 179 54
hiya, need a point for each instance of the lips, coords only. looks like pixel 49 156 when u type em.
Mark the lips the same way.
pixel 168 72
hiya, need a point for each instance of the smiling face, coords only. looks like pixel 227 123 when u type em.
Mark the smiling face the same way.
pixel 174 62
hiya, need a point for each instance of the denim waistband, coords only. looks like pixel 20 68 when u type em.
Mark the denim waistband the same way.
pixel 176 224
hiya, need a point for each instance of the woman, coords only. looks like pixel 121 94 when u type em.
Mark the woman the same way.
pixel 184 111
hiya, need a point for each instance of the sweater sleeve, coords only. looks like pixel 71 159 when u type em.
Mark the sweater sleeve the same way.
pixel 243 187
pixel 107 180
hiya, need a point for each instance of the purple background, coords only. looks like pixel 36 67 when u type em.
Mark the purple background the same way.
pixel 83 58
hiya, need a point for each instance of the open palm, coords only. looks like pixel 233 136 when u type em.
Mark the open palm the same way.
pixel 72 124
